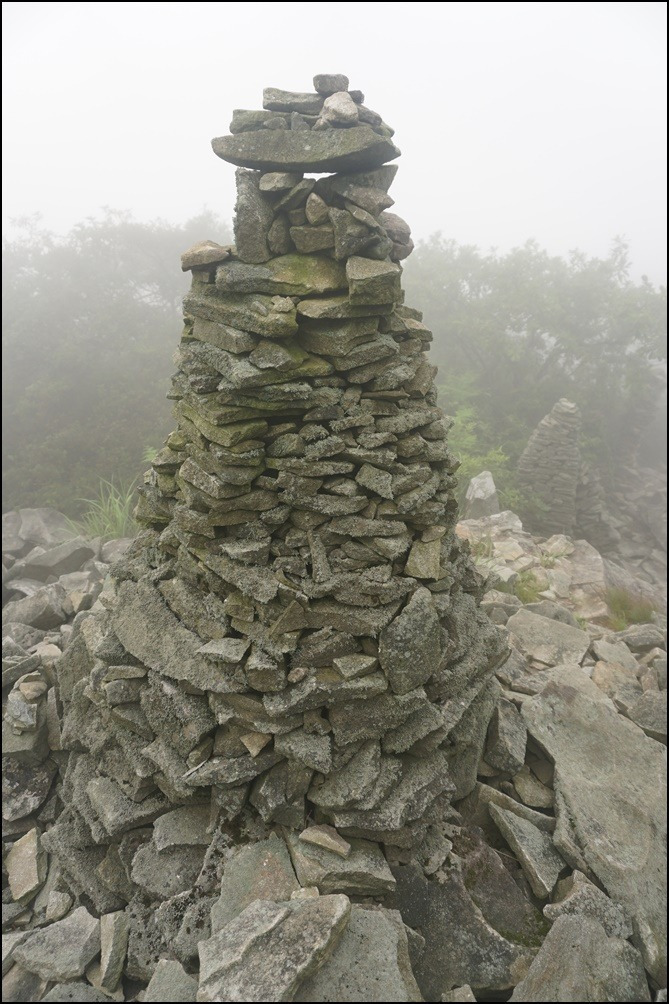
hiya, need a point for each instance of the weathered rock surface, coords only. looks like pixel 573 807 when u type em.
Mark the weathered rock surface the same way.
pixel 579 962
pixel 608 774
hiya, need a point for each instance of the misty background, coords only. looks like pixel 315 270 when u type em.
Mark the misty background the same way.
pixel 533 175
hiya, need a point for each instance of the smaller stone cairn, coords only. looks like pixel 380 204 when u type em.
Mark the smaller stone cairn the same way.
pixel 548 471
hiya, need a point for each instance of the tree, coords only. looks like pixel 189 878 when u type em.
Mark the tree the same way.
pixel 89 322
pixel 514 332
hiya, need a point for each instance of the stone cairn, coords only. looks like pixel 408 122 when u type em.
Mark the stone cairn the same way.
pixel 294 639
pixel 548 471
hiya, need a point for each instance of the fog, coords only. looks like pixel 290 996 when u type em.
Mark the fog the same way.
pixel 515 120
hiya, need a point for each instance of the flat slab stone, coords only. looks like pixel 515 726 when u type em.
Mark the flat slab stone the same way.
pixel 287 275
pixel 75 992
pixel 410 647
pixel 370 963
pixel 148 629
pixel 545 640
pixel 576 894
pixel 257 871
pixel 171 982
pixel 62 950
pixel 364 872
pixel 538 858
pixel 578 962
pixel 356 149
pixel 608 775
pixel 476 922
pixel 266 952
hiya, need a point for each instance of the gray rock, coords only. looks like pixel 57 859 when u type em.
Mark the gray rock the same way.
pixel 59 560
pixel 649 712
pixel 607 775
pixel 62 950
pixel 410 647
pixel 356 149
pixel 545 640
pixel 199 255
pixel 288 101
pixel 253 218
pixel 26 866
pixel 507 738
pixel 257 871
pixel 117 812
pixel 9 943
pixel 370 963
pixel 184 827
pixel 578 962
pixel 459 994
pixel 481 497
pixel 114 931
pixel 617 683
pixel 170 982
pixel 576 894
pixel 476 922
pixel 364 872
pixel 538 858
pixel 615 651
pixel 148 629
pixel 372 281
pixel 21 985
pixel 321 835
pixel 330 83
pixel 74 992
pixel 24 788
pixel 167 873
pixel 288 275
pixel 269 949
pixel 45 527
pixel 44 609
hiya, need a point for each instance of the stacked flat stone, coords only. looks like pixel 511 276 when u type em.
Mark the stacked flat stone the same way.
pixel 548 471
pixel 296 633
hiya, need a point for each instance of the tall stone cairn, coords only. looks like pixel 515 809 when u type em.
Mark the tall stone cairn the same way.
pixel 549 469
pixel 295 635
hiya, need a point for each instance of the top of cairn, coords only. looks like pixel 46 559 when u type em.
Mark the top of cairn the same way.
pixel 347 136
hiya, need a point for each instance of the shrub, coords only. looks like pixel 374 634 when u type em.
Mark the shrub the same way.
pixel 627 608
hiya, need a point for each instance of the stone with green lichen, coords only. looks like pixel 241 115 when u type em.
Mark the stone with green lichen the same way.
pixel 288 275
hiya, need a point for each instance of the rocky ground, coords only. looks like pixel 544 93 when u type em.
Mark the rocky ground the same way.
pixel 549 874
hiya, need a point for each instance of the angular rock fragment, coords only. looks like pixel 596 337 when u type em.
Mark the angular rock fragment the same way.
pixel 62 950
pixel 579 962
pixel 269 949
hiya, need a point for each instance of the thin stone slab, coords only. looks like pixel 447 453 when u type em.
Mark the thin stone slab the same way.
pixel 546 640
pixel 364 872
pixel 370 963
pixel 171 982
pixel 287 275
pixel 578 962
pixel 62 950
pixel 269 949
pixel 257 871
pixel 114 932
pixel 576 894
pixel 538 858
pixel 608 775
pixel 356 149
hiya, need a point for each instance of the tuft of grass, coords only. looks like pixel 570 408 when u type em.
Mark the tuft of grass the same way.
pixel 109 514
pixel 483 548
pixel 626 608
pixel 149 454
pixel 526 588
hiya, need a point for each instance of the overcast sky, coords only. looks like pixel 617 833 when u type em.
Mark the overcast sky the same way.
pixel 515 120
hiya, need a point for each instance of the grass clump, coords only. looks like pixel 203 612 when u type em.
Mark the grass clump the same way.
pixel 483 548
pixel 527 588
pixel 627 608
pixel 109 514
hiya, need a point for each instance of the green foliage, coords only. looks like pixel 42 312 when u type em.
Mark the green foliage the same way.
pixel 515 332
pixel 627 608
pixel 526 588
pixel 149 454
pixel 483 548
pixel 90 322
pixel 109 514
